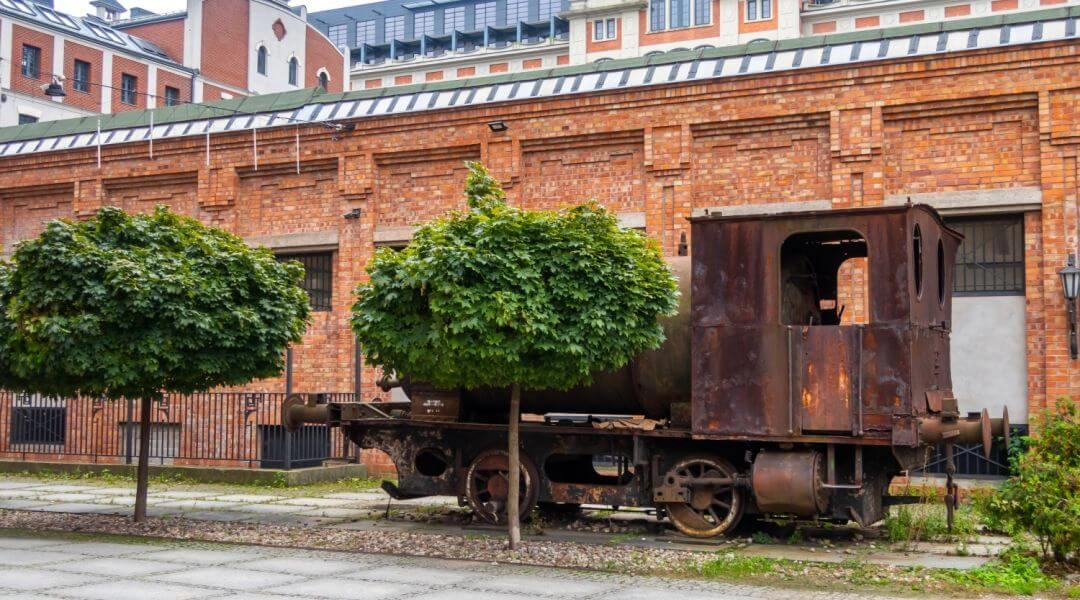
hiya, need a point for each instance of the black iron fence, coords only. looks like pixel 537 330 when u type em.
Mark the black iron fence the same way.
pixel 969 458
pixel 230 429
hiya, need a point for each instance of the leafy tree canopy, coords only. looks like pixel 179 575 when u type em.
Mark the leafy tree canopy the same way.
pixel 498 296
pixel 131 306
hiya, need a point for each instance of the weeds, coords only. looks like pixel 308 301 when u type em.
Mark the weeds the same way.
pixel 922 522
pixel 1014 572
pixel 733 566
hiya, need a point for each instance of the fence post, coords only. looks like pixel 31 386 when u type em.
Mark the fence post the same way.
pixel 129 430
pixel 358 366
pixel 288 390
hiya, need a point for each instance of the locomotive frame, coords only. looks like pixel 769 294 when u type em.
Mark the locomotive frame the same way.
pixel 762 401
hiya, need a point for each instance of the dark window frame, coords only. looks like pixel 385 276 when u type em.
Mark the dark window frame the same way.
pixel 261 60
pixel 294 71
pixel 991 260
pixel 129 89
pixel 31 62
pixel 80 81
pixel 25 119
pixel 318 276
pixel 172 96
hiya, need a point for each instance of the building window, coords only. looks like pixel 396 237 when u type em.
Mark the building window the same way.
pixel 604 29
pixel 657 15
pixel 453 19
pixel 423 23
pixel 324 81
pixel 990 260
pixel 548 8
pixel 172 96
pixel 318 277
pixel 260 65
pixel 31 61
pixel 338 34
pixel 129 85
pixel 758 10
pixel 702 12
pixel 485 15
pixel 393 29
pixel 365 33
pixel 38 421
pixel 25 119
pixel 516 10
pixel 294 70
pixel 679 14
pixel 81 79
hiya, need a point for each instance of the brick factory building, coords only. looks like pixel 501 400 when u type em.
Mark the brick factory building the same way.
pixel 118 62
pixel 979 118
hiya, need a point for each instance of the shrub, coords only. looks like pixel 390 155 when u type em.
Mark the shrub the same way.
pixel 1044 497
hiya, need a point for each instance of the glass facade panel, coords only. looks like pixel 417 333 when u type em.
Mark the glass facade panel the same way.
pixel 485 15
pixel 516 10
pixel 338 34
pixel 365 32
pixel 423 23
pixel 393 29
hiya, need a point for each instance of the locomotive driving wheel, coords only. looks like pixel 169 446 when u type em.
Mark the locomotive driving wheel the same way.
pixel 711 503
pixel 487 485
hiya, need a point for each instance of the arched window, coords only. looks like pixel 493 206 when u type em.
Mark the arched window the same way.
pixel 294 66
pixel 324 80
pixel 261 66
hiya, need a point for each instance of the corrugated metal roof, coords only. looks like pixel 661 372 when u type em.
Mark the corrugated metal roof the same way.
pixel 289 108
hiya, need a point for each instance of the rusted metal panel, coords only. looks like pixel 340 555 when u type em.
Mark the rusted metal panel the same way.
pixel 825 368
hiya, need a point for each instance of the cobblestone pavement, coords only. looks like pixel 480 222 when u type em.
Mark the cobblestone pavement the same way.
pixel 58 568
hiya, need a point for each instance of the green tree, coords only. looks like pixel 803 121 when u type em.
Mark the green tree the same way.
pixel 503 297
pixel 1043 497
pixel 127 306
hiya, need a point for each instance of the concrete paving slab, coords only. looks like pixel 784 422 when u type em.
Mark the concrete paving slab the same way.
pixel 112 491
pixel 327 588
pixel 81 508
pixel 24 578
pixel 71 497
pixel 30 596
pixel 540 585
pixel 412 575
pixel 20 543
pixel 372 496
pixel 196 504
pixel 295 520
pixel 318 502
pixel 18 485
pixel 247 498
pixel 471 595
pixel 107 548
pixel 430 501
pixel 19 493
pixel 651 593
pixel 338 513
pixel 231 578
pixel 135 590
pixel 201 556
pixel 120 567
pixel 309 566
pixel 268 509
pixel 10 557
pixel 61 488
pixel 22 503
pixel 213 515
pixel 180 495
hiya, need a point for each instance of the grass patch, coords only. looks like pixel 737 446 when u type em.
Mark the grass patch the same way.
pixel 908 523
pixel 735 566
pixel 1012 573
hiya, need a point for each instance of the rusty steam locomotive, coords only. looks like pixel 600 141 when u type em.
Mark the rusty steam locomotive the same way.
pixel 762 401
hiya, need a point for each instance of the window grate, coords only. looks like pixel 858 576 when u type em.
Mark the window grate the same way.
pixel 318 277
pixel 38 425
pixel 991 257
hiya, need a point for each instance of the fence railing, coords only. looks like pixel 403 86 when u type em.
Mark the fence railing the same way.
pixel 229 429
pixel 969 458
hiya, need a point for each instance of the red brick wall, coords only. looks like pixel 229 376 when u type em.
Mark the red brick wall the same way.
pixel 176 80
pixel 120 66
pixel 853 135
pixel 91 98
pixel 223 23
pixel 20 36
pixel 167 34
pixel 321 54
pixel 213 92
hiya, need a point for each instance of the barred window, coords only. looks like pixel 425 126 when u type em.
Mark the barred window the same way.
pixel 991 257
pixel 485 15
pixel 318 277
pixel 365 32
pixel 37 420
pixel 338 34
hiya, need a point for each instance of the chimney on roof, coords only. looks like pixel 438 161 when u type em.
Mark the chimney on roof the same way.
pixel 108 10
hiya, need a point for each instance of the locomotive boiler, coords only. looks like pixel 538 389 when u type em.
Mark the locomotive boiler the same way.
pixel 771 396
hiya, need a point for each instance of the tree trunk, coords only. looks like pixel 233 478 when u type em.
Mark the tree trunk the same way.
pixel 143 476
pixel 513 503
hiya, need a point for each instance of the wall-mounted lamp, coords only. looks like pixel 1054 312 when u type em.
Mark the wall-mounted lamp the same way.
pixel 55 89
pixel 497 126
pixel 353 214
pixel 1070 285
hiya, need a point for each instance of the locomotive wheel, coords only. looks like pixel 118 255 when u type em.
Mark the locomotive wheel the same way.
pixel 712 508
pixel 487 485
